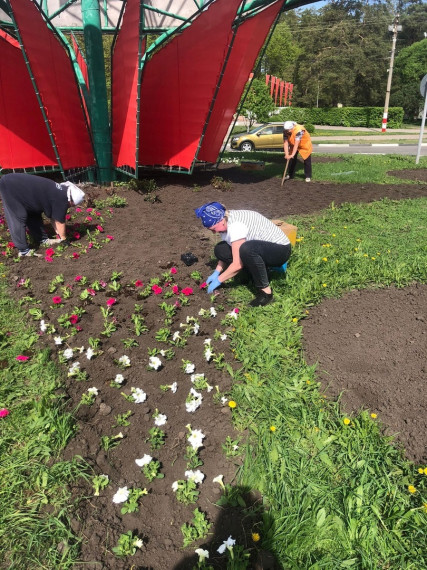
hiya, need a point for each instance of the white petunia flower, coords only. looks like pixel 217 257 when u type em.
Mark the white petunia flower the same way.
pixel 196 328
pixel 208 354
pixel 196 438
pixel 202 554
pixel 121 496
pixel 145 460
pixel 190 368
pixel 196 476
pixel 43 326
pixel 207 341
pixel 89 353
pixel 138 395
pixel 175 486
pixel 154 362
pixel 224 400
pixel 194 400
pixel 119 379
pixel 233 314
pixel 209 388
pixel 93 391
pixel 174 387
pixel 175 336
pixel 218 479
pixel 229 543
pixel 160 419
pixel 138 542
pixel 196 377
pixel 223 337
pixel 58 340
pixel 124 360
pixel 213 312
pixel 163 352
pixel 68 353
pixel 74 369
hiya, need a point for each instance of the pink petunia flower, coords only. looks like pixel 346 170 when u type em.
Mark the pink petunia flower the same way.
pixel 177 304
pixel 139 283
pixel 203 285
pixel 78 278
pixel 74 319
pixel 90 245
pixel 67 217
pixel 48 259
pixel 76 235
pixel 111 301
pixel 156 289
pixel 89 210
pixel 100 228
pixel 79 210
pixel 91 292
pixel 175 289
pixel 4 412
pixel 187 291
pixel 22 358
pixel 50 252
pixel 76 255
pixel 56 300
pixel 103 284
pixel 173 270
pixel 10 244
pixel 78 328
pixel 88 218
pixel 236 310
pixel 110 238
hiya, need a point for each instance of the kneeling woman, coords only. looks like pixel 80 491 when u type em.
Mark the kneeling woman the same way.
pixel 250 241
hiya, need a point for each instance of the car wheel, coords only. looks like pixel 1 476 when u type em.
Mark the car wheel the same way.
pixel 247 146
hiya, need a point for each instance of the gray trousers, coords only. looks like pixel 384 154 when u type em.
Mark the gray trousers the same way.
pixel 18 219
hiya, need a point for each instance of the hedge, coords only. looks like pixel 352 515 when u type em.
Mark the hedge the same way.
pixel 343 116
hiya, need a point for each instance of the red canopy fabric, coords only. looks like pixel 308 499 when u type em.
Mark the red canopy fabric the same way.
pixel 24 140
pixel 124 87
pixel 56 82
pixel 178 85
pixel 247 43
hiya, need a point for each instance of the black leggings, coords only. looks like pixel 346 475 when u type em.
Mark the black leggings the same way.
pixel 293 165
pixel 256 256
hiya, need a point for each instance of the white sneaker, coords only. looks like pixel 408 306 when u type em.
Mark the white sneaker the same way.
pixel 287 177
pixel 308 179
pixel 30 253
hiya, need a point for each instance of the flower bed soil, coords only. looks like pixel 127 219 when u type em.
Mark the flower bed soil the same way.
pixel 146 240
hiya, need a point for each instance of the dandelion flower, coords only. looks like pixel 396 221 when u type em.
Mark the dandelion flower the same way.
pixel 255 537
pixel 373 416
pixel 412 489
pixel 145 460
pixel 121 496
pixel 273 428
pixel 232 404
pixel 346 421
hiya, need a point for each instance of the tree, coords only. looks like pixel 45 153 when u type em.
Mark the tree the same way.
pixel 409 69
pixel 257 104
pixel 281 53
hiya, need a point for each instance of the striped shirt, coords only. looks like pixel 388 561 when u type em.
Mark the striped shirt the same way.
pixel 249 225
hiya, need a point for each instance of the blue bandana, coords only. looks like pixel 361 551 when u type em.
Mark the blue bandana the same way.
pixel 211 213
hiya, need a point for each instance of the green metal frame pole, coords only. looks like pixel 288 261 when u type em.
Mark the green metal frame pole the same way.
pixel 99 118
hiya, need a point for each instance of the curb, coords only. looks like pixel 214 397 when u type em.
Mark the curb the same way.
pixel 364 144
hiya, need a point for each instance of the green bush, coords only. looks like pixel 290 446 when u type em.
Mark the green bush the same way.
pixel 343 116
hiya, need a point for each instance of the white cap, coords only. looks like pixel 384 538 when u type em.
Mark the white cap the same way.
pixel 288 125
pixel 74 194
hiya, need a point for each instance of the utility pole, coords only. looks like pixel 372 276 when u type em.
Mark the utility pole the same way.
pixel 394 28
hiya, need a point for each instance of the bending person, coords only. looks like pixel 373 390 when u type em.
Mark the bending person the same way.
pixel 26 197
pixel 296 139
pixel 249 241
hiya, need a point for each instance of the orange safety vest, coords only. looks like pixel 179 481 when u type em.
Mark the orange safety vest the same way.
pixel 305 148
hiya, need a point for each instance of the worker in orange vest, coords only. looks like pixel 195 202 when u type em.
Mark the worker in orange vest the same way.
pixel 296 139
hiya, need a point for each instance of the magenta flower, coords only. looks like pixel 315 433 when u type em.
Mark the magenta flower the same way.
pixel 88 218
pixel 78 278
pixel 20 282
pixel 175 289
pixel 203 285
pixel 78 328
pixel 67 217
pixel 76 235
pixel 22 358
pixel 91 292
pixel 74 319
pixel 187 291
pixel 76 255
pixel 89 210
pixel 48 259
pixel 90 245
pixel 79 210
pixel 177 304
pixel 56 300
pixel 50 252
pixel 4 412
pixel 103 284
pixel 156 289
pixel 173 270
pixel 111 302
pixel 100 228
pixel 110 238
pixel 139 283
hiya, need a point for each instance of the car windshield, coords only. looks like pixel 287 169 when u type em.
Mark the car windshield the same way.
pixel 256 129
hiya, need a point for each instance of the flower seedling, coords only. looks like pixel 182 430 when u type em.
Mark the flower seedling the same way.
pixel 138 323
pixel 163 334
pixel 131 505
pixel 110 441
pixel 99 482
pixel 118 381
pixel 231 447
pixel 123 362
pixel 54 284
pixel 185 491
pixel 127 545
pixel 172 387
pixel 88 398
pixel 129 342
pixel 192 457
pixel 197 529
pixel 150 467
pixel 156 438
pixel 122 419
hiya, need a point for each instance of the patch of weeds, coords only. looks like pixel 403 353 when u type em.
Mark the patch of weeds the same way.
pixel 219 183
pixel 198 528
pixel 111 202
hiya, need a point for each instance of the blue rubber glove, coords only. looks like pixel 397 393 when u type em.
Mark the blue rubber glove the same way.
pixel 214 284
pixel 212 277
